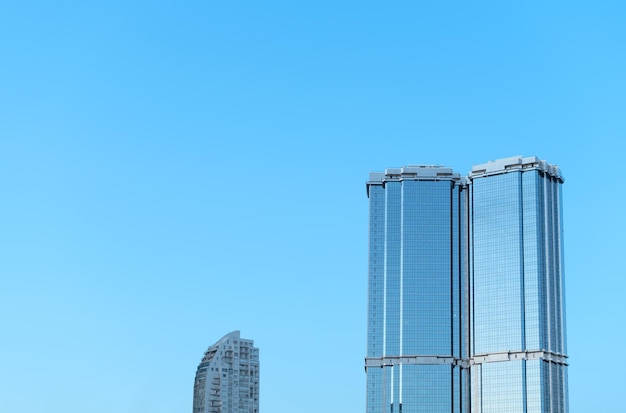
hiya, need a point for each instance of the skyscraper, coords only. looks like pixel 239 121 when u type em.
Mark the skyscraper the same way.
pixel 465 290
pixel 227 379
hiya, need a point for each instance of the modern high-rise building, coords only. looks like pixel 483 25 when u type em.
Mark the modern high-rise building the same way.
pixel 465 290
pixel 227 379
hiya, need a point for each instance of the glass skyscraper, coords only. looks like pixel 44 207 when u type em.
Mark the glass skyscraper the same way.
pixel 465 290
pixel 227 379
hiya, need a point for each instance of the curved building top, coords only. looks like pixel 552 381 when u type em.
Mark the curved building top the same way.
pixel 515 163
pixel 210 353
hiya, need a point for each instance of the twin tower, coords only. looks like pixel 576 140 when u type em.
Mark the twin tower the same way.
pixel 466 308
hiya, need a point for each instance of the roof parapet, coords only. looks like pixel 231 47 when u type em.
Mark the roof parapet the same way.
pixel 514 163
pixel 413 172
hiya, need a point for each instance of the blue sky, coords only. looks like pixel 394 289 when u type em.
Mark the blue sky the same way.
pixel 173 171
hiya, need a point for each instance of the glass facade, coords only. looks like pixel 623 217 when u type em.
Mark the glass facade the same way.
pixel 465 293
pixel 227 379
pixel 416 304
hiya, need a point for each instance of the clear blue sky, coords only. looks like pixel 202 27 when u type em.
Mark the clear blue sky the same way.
pixel 173 171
